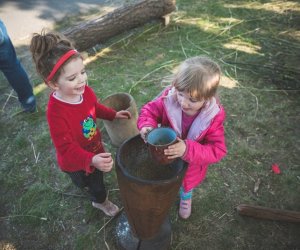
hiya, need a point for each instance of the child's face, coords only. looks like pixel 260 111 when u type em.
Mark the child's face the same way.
pixel 189 105
pixel 70 85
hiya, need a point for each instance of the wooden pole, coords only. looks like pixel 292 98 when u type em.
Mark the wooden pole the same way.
pixel 268 213
pixel 89 33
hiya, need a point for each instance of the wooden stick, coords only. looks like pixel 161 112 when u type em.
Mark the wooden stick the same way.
pixel 268 213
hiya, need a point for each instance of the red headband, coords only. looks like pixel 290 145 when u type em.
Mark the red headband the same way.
pixel 60 62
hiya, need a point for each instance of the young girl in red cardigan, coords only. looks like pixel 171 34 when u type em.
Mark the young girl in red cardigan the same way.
pixel 71 114
pixel 189 105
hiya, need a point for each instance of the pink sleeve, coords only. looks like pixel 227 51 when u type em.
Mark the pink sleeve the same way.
pixel 150 114
pixel 212 147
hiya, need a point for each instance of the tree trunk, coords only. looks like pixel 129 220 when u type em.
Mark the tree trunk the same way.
pixel 88 34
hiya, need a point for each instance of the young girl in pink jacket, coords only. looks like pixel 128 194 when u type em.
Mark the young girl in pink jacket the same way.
pixel 189 106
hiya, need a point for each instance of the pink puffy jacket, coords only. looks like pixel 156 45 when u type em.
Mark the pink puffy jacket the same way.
pixel 205 141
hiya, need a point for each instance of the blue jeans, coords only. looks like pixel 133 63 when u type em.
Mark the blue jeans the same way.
pixel 14 71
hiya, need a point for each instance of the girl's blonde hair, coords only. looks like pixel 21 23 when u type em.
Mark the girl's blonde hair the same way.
pixel 199 76
pixel 47 49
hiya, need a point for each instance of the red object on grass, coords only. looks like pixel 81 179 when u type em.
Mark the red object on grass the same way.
pixel 276 169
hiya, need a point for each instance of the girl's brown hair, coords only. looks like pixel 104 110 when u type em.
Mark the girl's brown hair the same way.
pixel 199 76
pixel 46 49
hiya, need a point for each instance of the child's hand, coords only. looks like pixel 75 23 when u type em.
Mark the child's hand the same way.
pixel 144 131
pixel 176 150
pixel 103 162
pixel 123 114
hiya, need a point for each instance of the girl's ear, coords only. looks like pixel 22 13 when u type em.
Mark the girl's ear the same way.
pixel 53 85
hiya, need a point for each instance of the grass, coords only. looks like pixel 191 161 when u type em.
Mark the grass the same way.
pixel 257 45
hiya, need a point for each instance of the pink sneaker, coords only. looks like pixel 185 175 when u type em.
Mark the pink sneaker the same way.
pixel 185 208
pixel 107 207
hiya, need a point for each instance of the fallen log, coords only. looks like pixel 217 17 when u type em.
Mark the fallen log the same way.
pixel 268 213
pixel 89 33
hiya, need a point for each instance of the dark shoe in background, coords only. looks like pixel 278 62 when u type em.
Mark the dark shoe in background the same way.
pixel 30 105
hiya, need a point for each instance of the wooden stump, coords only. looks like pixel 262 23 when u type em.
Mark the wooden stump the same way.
pixel 89 33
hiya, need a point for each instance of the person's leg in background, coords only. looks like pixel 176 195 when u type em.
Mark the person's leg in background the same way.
pixel 14 71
